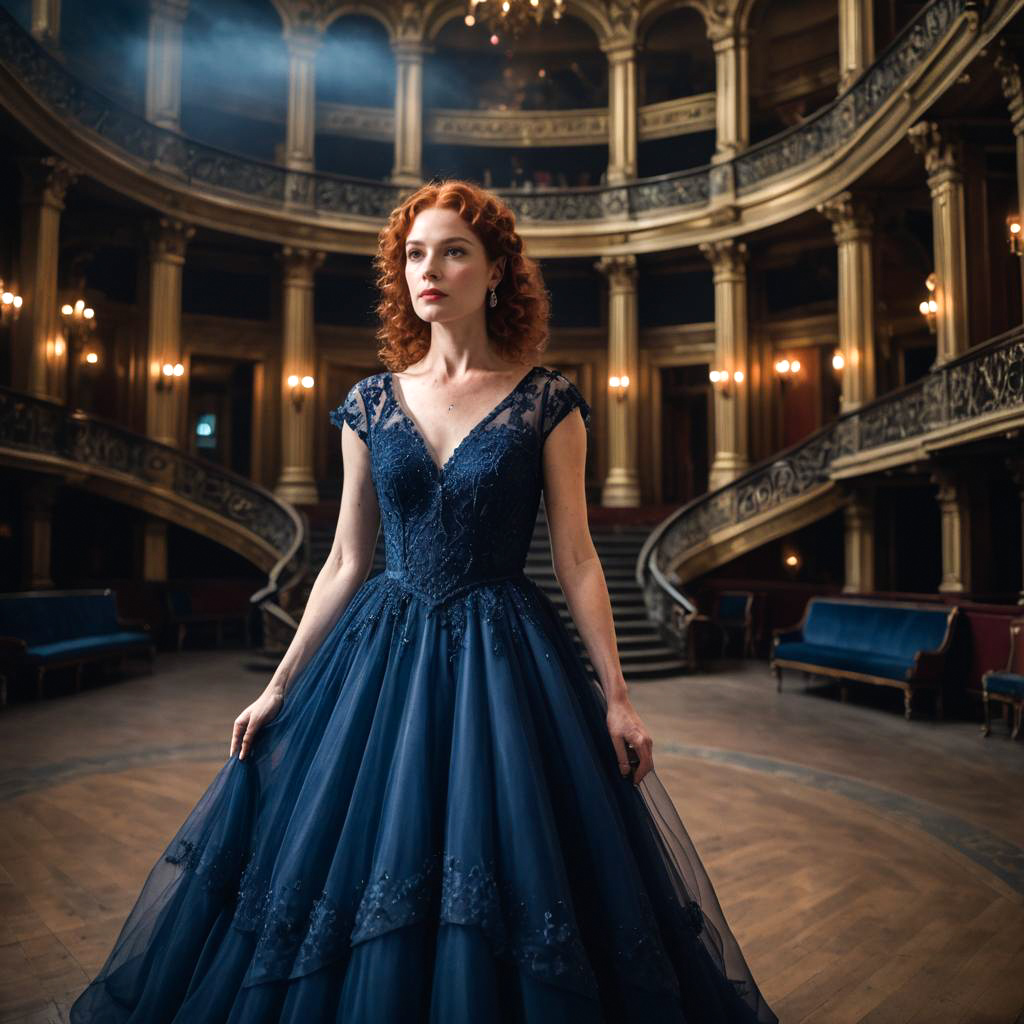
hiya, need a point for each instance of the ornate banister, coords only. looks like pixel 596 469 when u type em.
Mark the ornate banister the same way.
pixel 44 436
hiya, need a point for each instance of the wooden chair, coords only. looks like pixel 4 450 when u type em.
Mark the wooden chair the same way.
pixel 1007 685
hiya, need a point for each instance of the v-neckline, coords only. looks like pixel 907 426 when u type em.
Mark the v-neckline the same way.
pixel 440 470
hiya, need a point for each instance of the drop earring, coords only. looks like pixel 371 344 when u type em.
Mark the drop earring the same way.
pixel 493 301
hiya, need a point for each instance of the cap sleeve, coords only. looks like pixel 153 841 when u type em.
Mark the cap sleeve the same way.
pixel 562 397
pixel 353 412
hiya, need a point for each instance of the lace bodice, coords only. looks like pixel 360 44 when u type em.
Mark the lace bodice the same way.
pixel 470 521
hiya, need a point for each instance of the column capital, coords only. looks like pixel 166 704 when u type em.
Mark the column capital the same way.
pixel 46 180
pixel 173 10
pixel 941 148
pixel 1010 82
pixel 724 33
pixel 299 265
pixel 728 257
pixel 303 40
pixel 621 271
pixel 949 484
pixel 623 18
pixel 410 26
pixel 168 238
pixel 850 214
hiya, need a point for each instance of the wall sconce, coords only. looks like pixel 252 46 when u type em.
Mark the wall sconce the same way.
pixel 10 303
pixel 723 381
pixel 619 386
pixel 299 386
pixel 838 360
pixel 79 319
pixel 1013 234
pixel 929 307
pixel 787 367
pixel 791 561
pixel 92 358
pixel 166 375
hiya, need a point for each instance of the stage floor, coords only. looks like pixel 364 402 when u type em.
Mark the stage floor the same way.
pixel 872 869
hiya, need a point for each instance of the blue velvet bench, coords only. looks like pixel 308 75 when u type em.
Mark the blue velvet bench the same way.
pixel 45 629
pixel 1007 685
pixel 887 643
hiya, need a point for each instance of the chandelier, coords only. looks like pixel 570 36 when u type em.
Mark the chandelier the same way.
pixel 511 17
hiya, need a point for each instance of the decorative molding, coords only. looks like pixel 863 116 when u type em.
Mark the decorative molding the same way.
pixel 511 128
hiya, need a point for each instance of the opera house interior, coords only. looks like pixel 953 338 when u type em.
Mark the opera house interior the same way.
pixel 783 242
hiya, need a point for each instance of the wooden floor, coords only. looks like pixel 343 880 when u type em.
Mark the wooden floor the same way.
pixel 872 869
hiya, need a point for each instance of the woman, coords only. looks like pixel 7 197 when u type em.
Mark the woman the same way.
pixel 430 814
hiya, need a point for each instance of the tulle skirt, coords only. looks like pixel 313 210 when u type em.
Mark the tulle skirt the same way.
pixel 433 828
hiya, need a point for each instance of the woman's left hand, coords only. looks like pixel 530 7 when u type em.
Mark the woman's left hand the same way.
pixel 624 726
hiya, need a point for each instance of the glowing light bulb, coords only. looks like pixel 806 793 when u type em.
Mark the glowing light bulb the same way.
pixel 168 370
pixel 66 309
pixel 293 380
pixel 838 362
pixel 307 382
pixel 91 357
pixel 179 370
pixel 470 20
pixel 738 376
pixel 88 313
pixel 794 367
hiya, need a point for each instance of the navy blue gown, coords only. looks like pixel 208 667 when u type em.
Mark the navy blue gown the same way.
pixel 434 827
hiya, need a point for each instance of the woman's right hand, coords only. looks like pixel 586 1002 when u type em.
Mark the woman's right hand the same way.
pixel 252 719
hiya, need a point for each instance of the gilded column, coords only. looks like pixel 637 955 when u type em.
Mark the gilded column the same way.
pixel 732 91
pixel 165 395
pixel 1010 80
pixel 39 356
pixel 622 111
pixel 297 483
pixel 728 259
pixel 856 39
pixel 851 225
pixel 163 63
pixel 859 544
pixel 409 48
pixel 46 22
pixel 955 508
pixel 303 44
pixel 943 161
pixel 622 485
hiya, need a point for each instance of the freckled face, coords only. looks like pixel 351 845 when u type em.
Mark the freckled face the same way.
pixel 444 256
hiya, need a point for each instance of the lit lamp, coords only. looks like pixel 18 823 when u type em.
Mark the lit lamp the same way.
pixel 791 561
pixel 723 380
pixel 10 303
pixel 787 367
pixel 619 386
pixel 1013 234
pixel 166 375
pixel 838 360
pixel 929 307
pixel 299 386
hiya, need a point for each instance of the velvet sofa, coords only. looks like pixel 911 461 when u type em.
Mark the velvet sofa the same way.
pixel 45 629
pixel 887 643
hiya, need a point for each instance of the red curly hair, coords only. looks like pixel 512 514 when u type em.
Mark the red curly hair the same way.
pixel 517 325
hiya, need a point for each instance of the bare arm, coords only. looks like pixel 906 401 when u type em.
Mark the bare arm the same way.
pixel 342 574
pixel 346 566
pixel 581 577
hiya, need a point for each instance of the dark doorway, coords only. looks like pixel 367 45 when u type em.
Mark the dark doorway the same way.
pixel 685 428
pixel 220 397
